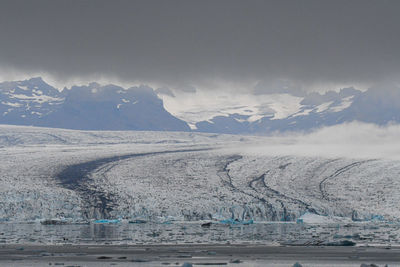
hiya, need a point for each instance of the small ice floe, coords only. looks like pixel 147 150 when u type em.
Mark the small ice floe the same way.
pixel 104 258
pixel 236 221
pixel 206 225
pixel 345 243
pixel 53 221
pixel 138 221
pixel 166 220
pixel 140 260
pixel 378 218
pixel 107 221
pixel 319 242
pixel 313 218
pixel 370 218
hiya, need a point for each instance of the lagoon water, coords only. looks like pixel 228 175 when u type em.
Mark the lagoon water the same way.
pixel 377 233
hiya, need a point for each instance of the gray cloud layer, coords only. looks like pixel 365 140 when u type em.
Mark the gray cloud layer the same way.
pixel 185 41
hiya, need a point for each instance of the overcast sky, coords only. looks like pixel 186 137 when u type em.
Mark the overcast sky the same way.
pixel 186 44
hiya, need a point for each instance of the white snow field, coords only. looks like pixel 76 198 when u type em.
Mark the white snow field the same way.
pixel 162 176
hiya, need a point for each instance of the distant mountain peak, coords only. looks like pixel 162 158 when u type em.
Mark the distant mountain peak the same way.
pixel 36 80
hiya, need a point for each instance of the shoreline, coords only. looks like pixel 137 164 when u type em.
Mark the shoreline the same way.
pixel 197 254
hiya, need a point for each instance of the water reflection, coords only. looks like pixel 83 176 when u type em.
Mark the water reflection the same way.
pixel 183 233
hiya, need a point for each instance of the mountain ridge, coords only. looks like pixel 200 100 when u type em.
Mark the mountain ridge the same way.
pixel 111 107
pixel 91 107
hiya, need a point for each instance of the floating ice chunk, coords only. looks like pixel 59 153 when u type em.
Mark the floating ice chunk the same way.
pixel 138 221
pixel 377 218
pixel 107 221
pixel 167 219
pixel 346 243
pixel 236 221
pixel 207 224
pixel 309 217
pixel 53 222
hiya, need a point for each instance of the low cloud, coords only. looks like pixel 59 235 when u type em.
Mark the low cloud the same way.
pixel 350 140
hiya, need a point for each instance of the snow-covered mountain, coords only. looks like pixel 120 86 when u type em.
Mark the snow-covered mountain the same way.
pixel 28 102
pixel 92 107
pixel 263 114
pixel 110 107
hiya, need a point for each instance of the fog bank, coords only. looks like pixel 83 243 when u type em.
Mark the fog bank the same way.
pixel 351 140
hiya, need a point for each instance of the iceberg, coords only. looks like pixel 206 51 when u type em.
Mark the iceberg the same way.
pixel 107 221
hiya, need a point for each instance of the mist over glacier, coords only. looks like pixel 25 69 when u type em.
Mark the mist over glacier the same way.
pixel 348 140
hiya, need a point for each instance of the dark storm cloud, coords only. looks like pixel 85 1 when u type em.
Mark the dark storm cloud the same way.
pixel 188 41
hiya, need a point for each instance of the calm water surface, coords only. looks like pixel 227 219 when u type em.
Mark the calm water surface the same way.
pixel 185 233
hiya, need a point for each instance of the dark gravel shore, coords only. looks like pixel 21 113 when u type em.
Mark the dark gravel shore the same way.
pixel 198 255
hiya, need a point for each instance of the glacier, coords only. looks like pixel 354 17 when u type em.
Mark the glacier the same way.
pixel 81 176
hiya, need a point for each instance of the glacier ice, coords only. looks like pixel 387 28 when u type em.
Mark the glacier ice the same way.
pixel 167 177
